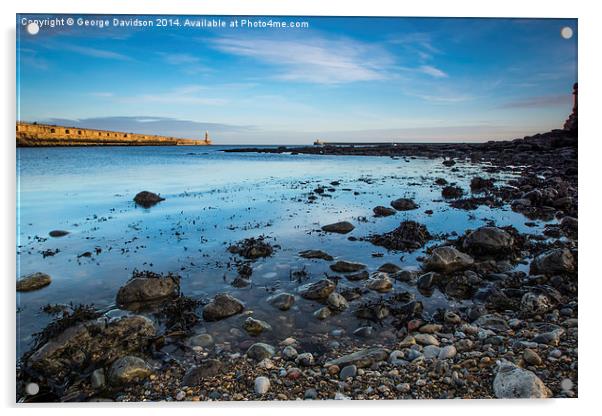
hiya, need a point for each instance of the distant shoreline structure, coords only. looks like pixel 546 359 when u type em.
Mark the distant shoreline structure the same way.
pixel 49 135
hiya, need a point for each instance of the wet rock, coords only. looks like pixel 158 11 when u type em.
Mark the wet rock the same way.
pixel 440 181
pixel 452 192
pixel 549 338
pixel 380 282
pixel 478 184
pixel 315 254
pixel 462 286
pixel 260 351
pixel 447 260
pixel 100 342
pixel 512 382
pixel 493 322
pixel 147 289
pixel 347 372
pixel 252 248
pixel 342 266
pixel 128 369
pixel 389 268
pixel 98 379
pixel 489 240
pixel 147 199
pixel 363 358
pixel 317 290
pixel 261 385
pixel 364 332
pixel 323 313
pixel 33 281
pixel 255 326
pixel 58 233
pixel 381 211
pixel 431 351
pixel 289 352
pixel 306 359
pixel 404 204
pixel 409 236
pixel 556 261
pixel 197 375
pixel 448 163
pixel 201 340
pixel 337 302
pixel 282 301
pixel 222 306
pixel 447 352
pixel 240 282
pixel 363 275
pixel 569 227
pixel 426 281
pixel 535 303
pixel 342 227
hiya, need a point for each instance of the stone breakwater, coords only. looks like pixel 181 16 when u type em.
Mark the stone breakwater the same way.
pixel 45 135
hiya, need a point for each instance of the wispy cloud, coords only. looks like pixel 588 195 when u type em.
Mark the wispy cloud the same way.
pixel 102 94
pixel 313 59
pixel 94 52
pixel 189 64
pixel 443 98
pixel 187 94
pixel 32 58
pixel 537 102
pixel 432 71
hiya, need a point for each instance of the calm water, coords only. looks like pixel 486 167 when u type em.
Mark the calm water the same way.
pixel 212 200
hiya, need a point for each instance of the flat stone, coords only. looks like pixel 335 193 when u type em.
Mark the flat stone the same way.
pixel 197 374
pixel 531 357
pixel 282 301
pixel 447 352
pixel 255 326
pixel 143 289
pixel 404 204
pixel 343 266
pixel 348 371
pixel 381 211
pixel 342 227
pixel 317 290
pixel 447 260
pixel 201 340
pixel 33 281
pixel 431 351
pixel 362 358
pixel 315 254
pixel 512 382
pixel 58 233
pixel 222 306
pixel 426 339
pixel 380 282
pixel 128 369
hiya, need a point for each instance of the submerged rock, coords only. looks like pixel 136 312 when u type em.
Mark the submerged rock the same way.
pixel 342 227
pixel 389 268
pixel 343 266
pixel 315 254
pixel 255 326
pixel 148 289
pixel 147 199
pixel 380 282
pixel 222 306
pixel 404 204
pixel 448 259
pixel 58 233
pixel 512 382
pixel 33 281
pixel 282 301
pixel 363 275
pixel 381 211
pixel 452 192
pixel 252 248
pixel 127 369
pixel 260 351
pixel 557 261
pixel 317 290
pixel 197 374
pixel 337 302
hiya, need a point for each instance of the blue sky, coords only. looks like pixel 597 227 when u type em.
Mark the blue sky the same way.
pixel 355 79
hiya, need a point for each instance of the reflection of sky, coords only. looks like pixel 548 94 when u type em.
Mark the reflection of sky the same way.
pixel 342 78
pixel 212 200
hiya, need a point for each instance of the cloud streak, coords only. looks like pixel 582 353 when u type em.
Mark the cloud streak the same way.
pixel 314 60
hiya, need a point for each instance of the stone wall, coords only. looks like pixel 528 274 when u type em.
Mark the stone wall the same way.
pixel 33 134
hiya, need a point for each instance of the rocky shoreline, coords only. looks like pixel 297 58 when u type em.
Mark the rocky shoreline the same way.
pixel 512 333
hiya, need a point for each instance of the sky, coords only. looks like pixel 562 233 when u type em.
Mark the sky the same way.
pixel 335 79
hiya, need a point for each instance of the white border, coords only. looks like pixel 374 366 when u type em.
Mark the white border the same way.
pixel 590 273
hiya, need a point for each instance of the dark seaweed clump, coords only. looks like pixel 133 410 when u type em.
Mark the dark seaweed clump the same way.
pixel 179 314
pixel 79 313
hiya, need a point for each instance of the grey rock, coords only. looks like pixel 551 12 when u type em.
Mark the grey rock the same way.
pixel 315 254
pixel 404 204
pixel 389 268
pixel 260 351
pixel 306 359
pixel 289 352
pixel 343 266
pixel 380 282
pixel 348 371
pixel 426 339
pixel 323 313
pixel 337 302
pixel 197 374
pixel 531 357
pixel 143 289
pixel 362 358
pixel 310 394
pixel 447 352
pixel 493 322
pixel 447 260
pixel 535 303
pixel 201 340
pixel 488 240
pixel 431 351
pixel 549 338
pixel 255 326
pixel 426 281
pixel 97 379
pixel 512 382
pixel 128 369
pixel 261 385
pixel 557 261
pixel 222 306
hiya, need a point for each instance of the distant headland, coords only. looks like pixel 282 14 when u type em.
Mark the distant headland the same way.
pixel 47 135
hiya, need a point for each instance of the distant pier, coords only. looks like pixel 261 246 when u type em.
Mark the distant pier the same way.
pixel 42 135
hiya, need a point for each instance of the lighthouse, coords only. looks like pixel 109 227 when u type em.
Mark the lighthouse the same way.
pixel 207 139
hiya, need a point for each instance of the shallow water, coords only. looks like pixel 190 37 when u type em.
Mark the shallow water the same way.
pixel 214 199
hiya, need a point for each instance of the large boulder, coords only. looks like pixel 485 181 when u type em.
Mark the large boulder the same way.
pixel 147 199
pixel 404 204
pixel 556 261
pixel 489 240
pixel 33 281
pixel 222 306
pixel 93 343
pixel 342 227
pixel 317 290
pixel 512 382
pixel 128 369
pixel 147 289
pixel 447 260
